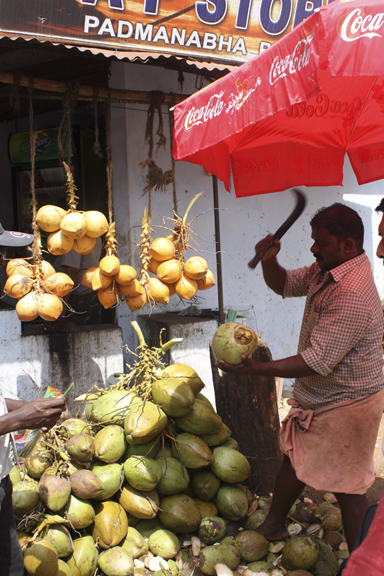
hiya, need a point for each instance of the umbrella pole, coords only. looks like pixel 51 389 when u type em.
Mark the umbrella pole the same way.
pixel 218 249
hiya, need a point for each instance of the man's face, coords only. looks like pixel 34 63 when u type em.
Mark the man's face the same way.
pixel 327 249
pixel 380 248
pixel 3 255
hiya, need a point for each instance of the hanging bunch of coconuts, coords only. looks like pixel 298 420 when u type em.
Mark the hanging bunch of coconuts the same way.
pixel 164 258
pixel 71 229
pixel 151 480
pixel 37 286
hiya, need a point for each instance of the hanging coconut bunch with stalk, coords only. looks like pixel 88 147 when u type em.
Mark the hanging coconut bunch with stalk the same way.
pixel 71 229
pixel 34 282
pixel 151 479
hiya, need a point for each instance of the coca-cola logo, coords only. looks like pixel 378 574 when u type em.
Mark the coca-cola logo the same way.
pixel 249 165
pixel 213 108
pixel 291 63
pixel 357 24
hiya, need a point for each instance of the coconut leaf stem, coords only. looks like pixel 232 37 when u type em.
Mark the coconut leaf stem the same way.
pixel 139 333
pixel 165 347
pixel 190 206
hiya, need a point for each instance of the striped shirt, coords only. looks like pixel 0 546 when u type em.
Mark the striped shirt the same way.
pixel 341 332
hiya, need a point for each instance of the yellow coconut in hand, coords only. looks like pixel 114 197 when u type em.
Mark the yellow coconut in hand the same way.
pixel 137 302
pixel 207 282
pixel 74 224
pixel 125 275
pixel 87 276
pixel 18 286
pixel 58 243
pixel 196 267
pixel 158 290
pixel 132 289
pixel 26 307
pixel 84 245
pixel 107 297
pixel 186 287
pixel 59 283
pixel 49 217
pixel 100 280
pixel 109 265
pixel 97 224
pixel 162 249
pixel 169 271
pixel 49 307
pixel 19 266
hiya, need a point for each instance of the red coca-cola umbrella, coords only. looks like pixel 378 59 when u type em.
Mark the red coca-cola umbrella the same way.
pixel 288 116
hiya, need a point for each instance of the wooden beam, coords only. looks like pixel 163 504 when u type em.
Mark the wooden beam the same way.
pixel 87 92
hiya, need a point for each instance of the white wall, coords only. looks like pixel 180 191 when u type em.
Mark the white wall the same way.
pixel 29 364
pixel 242 221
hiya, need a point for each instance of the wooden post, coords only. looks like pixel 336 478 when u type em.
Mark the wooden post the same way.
pixel 248 405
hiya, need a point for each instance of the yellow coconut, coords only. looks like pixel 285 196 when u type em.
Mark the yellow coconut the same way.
pixel 47 269
pixel 107 297
pixel 18 286
pixel 26 307
pixel 49 217
pixel 162 249
pixel 58 243
pixel 153 266
pixel 137 302
pixel 132 289
pixel 74 224
pixel 186 287
pixel 172 289
pixel 19 266
pixel 169 271
pixel 207 282
pixel 59 283
pixel 87 276
pixel 109 265
pixel 125 275
pixel 97 224
pixel 84 245
pixel 40 558
pixel 196 267
pixel 49 307
pixel 100 280
pixel 158 290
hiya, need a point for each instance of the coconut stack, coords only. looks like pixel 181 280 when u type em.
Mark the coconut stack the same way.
pixel 152 480
pixel 38 288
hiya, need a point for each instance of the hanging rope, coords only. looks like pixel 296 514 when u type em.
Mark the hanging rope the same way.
pixel 173 171
pixel 14 96
pixel 96 144
pixel 36 252
pixel 64 136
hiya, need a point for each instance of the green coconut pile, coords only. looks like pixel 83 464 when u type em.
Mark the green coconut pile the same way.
pixel 150 480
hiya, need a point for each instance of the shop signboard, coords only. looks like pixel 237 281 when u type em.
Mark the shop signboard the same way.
pixel 229 31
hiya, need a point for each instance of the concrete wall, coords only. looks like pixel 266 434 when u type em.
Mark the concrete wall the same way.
pixel 29 364
pixel 242 222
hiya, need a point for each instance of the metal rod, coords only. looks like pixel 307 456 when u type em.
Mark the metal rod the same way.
pixel 218 250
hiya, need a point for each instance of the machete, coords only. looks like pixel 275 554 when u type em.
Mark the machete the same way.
pixel 300 205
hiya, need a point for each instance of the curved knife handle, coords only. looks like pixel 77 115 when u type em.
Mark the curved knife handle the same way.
pixel 297 211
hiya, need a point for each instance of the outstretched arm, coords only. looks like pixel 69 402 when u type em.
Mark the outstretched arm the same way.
pixel 291 367
pixel 41 413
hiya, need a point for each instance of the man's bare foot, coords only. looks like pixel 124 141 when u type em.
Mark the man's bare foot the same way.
pixel 273 532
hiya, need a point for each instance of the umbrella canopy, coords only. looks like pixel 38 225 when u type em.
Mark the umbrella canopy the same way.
pixel 288 116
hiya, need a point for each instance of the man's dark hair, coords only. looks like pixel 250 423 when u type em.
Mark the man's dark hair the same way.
pixel 380 207
pixel 340 221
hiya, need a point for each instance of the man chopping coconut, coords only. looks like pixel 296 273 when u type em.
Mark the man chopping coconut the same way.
pixel 329 435
pixel 16 415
